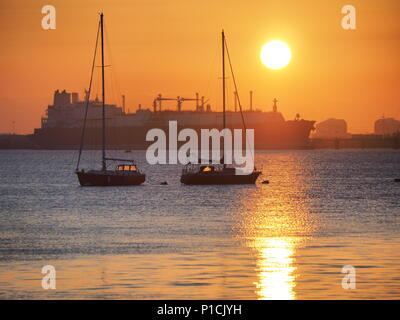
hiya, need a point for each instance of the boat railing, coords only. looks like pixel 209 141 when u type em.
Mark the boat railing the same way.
pixel 190 168
pixel 194 168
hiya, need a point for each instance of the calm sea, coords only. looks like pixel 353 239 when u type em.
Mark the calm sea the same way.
pixel 323 209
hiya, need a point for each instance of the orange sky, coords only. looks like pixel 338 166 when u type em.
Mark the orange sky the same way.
pixel 172 47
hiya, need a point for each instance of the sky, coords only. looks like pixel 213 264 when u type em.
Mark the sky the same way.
pixel 173 47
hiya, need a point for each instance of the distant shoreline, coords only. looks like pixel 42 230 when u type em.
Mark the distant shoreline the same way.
pixel 359 141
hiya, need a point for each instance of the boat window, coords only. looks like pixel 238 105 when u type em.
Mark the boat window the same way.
pixel 206 169
pixel 122 167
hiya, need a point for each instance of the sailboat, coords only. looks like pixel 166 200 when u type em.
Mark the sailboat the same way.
pixel 221 175
pixel 125 174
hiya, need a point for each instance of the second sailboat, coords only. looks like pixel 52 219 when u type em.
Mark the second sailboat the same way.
pixel 220 174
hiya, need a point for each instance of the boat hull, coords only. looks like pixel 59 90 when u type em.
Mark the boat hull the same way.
pixel 218 178
pixel 101 179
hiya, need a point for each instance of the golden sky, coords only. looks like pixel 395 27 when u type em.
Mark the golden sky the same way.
pixel 173 46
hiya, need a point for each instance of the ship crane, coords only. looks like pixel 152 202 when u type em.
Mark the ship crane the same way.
pixel 159 99
pixel 179 100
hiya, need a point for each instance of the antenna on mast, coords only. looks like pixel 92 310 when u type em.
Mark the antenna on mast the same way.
pixel 235 97
pixel 275 107
pixel 251 100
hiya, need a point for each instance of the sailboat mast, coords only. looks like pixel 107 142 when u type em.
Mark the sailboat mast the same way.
pixel 223 93
pixel 103 162
pixel 223 78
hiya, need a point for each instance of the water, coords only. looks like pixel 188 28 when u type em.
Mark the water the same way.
pixel 323 209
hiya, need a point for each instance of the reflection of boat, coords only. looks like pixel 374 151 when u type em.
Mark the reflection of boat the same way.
pixel 211 174
pixel 124 174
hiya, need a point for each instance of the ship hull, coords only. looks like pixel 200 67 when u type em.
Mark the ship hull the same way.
pixel 288 135
pixel 104 179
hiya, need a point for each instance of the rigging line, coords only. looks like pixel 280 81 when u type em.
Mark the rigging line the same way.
pixel 88 98
pixel 237 94
pixel 97 82
pixel 114 75
pixel 209 92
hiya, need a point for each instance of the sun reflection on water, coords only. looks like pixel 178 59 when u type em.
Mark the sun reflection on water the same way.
pixel 275 223
pixel 274 236
pixel 275 269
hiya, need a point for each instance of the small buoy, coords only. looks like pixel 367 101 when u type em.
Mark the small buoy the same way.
pixel 164 183
pixel 396 180
pixel 265 182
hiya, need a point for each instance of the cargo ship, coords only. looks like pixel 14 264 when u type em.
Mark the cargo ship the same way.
pixel 62 125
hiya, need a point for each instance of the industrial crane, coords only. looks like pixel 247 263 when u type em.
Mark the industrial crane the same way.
pixel 179 101
pixel 159 99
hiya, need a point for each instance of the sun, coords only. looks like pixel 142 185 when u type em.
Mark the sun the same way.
pixel 275 54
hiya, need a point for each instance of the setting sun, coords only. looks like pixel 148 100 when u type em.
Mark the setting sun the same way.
pixel 275 54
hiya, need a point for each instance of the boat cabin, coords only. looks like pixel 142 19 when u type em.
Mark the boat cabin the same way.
pixel 126 167
pixel 207 169
pixel 217 169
